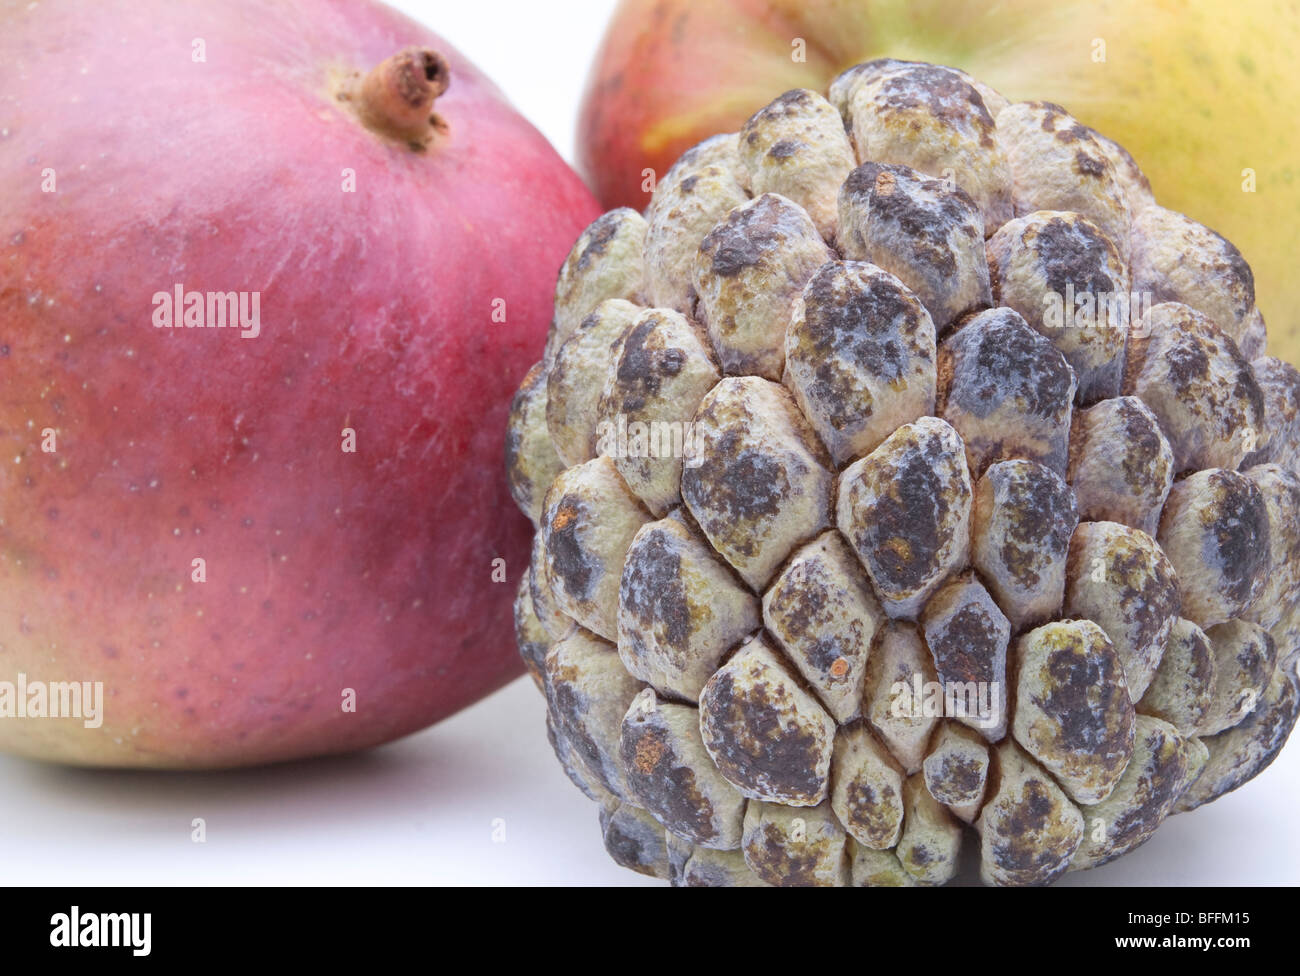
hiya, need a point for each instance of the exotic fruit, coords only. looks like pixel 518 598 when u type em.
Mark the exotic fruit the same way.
pixel 266 286
pixel 906 478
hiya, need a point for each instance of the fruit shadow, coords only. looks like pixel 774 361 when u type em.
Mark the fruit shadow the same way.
pixel 401 780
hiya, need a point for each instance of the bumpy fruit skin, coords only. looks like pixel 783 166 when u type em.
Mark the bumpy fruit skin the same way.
pixel 1214 81
pixel 325 570
pixel 935 475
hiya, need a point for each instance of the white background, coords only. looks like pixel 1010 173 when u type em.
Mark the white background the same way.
pixel 423 810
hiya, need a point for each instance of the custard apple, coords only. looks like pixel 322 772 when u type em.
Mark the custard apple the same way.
pixel 906 477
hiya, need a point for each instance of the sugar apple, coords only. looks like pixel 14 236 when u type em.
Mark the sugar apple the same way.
pixel 905 468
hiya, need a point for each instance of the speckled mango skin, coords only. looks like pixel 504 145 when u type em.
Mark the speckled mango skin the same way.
pixel 903 477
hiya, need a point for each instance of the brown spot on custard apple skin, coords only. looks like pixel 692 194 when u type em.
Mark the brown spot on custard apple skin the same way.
pixel 756 478
pixel 1029 816
pixel 968 637
pixel 942 93
pixel 845 84
pixel 1280 489
pixel 1068 255
pixel 681 609
pixel 906 510
pixel 932 119
pixel 905 550
pixel 768 736
pixel 653 592
pixel 670 775
pixel 962 775
pixel 661 370
pixel 642 366
pixel 1141 801
pixel 796 146
pixel 782 756
pixel 554 621
pixel 927 232
pixel 1038 261
pixel 605 263
pixel 1057 165
pixel 597 237
pixel 792 103
pixel 1007 391
pixel 647 752
pixel 1056 121
pixel 1020 564
pixel 1073 711
pixel 1175 259
pixel 749 269
pixel 530 637
pixel 795 847
pixel 575 567
pixel 1044 515
pixel 589 520
pixel 1183 687
pixel 866 802
pixel 1024 516
pixel 785 149
pixel 577 771
pixel 755 486
pixel 1246 750
pixel 531 460
pixel 860 356
pixel 822 612
pixel 1089 165
pixel 1199 386
pixel 588 693
pixel 867 796
pixel 1279 443
pixel 957 768
pixel 927 228
pixel 1008 352
pixel 1188 364
pixel 1144 440
pixel 749 232
pixel 1239 506
pixel 1121 464
pixel 1215 531
pixel 969 634
pixel 834 324
pixel 1245 657
pixel 1029 828
pixel 635 840
pixel 1070 703
pixel 1120 579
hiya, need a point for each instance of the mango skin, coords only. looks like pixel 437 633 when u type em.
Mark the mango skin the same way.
pixel 325 570
pixel 1199 92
